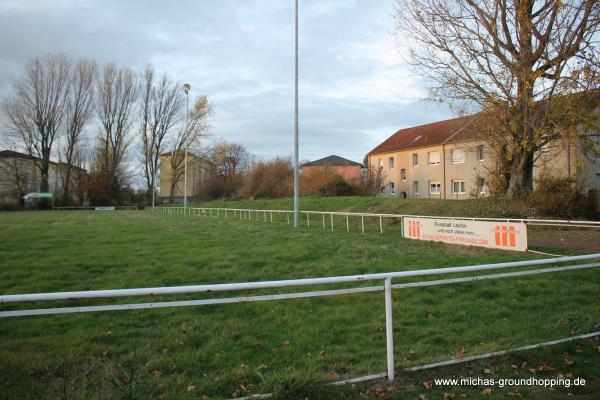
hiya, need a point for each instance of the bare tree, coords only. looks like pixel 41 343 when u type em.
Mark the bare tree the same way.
pixel 161 111
pixel 117 92
pixel 228 159
pixel 521 61
pixel 189 135
pixel 35 113
pixel 78 110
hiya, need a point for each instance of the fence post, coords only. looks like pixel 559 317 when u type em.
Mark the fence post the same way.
pixel 362 222
pixel 380 225
pixel 389 329
pixel 288 217
pixel 331 220
pixel 323 221
pixel 347 224
pixel 264 216
pixel 271 213
pixel 307 220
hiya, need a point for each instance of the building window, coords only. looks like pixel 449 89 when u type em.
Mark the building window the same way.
pixel 416 188
pixel 481 185
pixel 391 163
pixel 434 187
pixel 392 188
pixel 403 174
pixel 380 164
pixel 381 189
pixel 545 149
pixel 480 153
pixel 434 157
pixel 458 156
pixel 458 187
pixel 415 160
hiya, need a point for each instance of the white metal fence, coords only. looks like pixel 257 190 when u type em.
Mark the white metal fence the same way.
pixel 550 265
pixel 94 208
pixel 326 218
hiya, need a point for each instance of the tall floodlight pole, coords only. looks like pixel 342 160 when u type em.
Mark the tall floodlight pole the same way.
pixel 186 89
pixel 296 161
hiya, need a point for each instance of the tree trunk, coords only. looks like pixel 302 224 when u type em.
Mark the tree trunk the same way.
pixel 66 185
pixel 521 176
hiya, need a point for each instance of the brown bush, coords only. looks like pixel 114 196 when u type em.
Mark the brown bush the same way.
pixel 326 181
pixel 559 197
pixel 270 179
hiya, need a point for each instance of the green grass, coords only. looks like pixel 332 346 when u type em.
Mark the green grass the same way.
pixel 283 346
pixel 485 207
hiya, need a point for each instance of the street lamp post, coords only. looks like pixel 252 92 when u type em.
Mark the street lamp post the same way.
pixel 186 89
pixel 296 161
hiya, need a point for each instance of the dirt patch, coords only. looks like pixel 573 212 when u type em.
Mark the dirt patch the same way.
pixel 587 240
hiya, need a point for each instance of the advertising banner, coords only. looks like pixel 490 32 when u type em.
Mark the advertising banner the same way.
pixel 491 234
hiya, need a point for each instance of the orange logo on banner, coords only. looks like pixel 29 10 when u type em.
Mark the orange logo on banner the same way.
pixel 414 229
pixel 505 236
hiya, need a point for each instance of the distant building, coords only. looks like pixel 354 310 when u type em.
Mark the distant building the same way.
pixel 194 177
pixel 20 175
pixel 349 170
pixel 446 159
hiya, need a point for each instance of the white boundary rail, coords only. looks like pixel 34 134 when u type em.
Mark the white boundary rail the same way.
pixel 92 208
pixel 592 259
pixel 327 217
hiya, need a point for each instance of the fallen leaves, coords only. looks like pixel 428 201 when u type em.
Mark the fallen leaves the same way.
pixel 262 366
pixel 487 371
pixel 322 354
pixel 156 373
pixel 515 394
pixel 428 385
pixel 487 391
pixel 191 388
pixel 448 396
pixel 569 362
pixel 545 367
pixel 460 352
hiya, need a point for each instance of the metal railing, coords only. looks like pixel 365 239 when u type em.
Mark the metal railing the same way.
pixel 92 208
pixel 327 217
pixel 551 265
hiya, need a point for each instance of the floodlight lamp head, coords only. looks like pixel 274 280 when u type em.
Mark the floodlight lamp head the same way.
pixel 187 88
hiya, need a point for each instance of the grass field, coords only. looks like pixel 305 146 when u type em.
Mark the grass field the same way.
pixel 286 346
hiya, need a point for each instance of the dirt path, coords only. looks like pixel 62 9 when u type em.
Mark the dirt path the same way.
pixel 587 240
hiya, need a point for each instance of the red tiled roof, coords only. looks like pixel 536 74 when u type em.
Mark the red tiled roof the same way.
pixel 426 135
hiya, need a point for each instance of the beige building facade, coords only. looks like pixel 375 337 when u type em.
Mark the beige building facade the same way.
pixel 20 175
pixel 439 160
pixel 194 176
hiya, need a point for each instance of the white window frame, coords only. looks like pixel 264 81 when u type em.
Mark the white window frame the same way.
pixel 459 161
pixel 481 154
pixel 438 185
pixel 415 159
pixel 403 174
pixel 461 183
pixel 391 163
pixel 380 164
pixel 392 188
pixel 439 158
pixel 416 192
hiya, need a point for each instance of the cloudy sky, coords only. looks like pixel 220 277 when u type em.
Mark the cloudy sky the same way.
pixel 354 88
